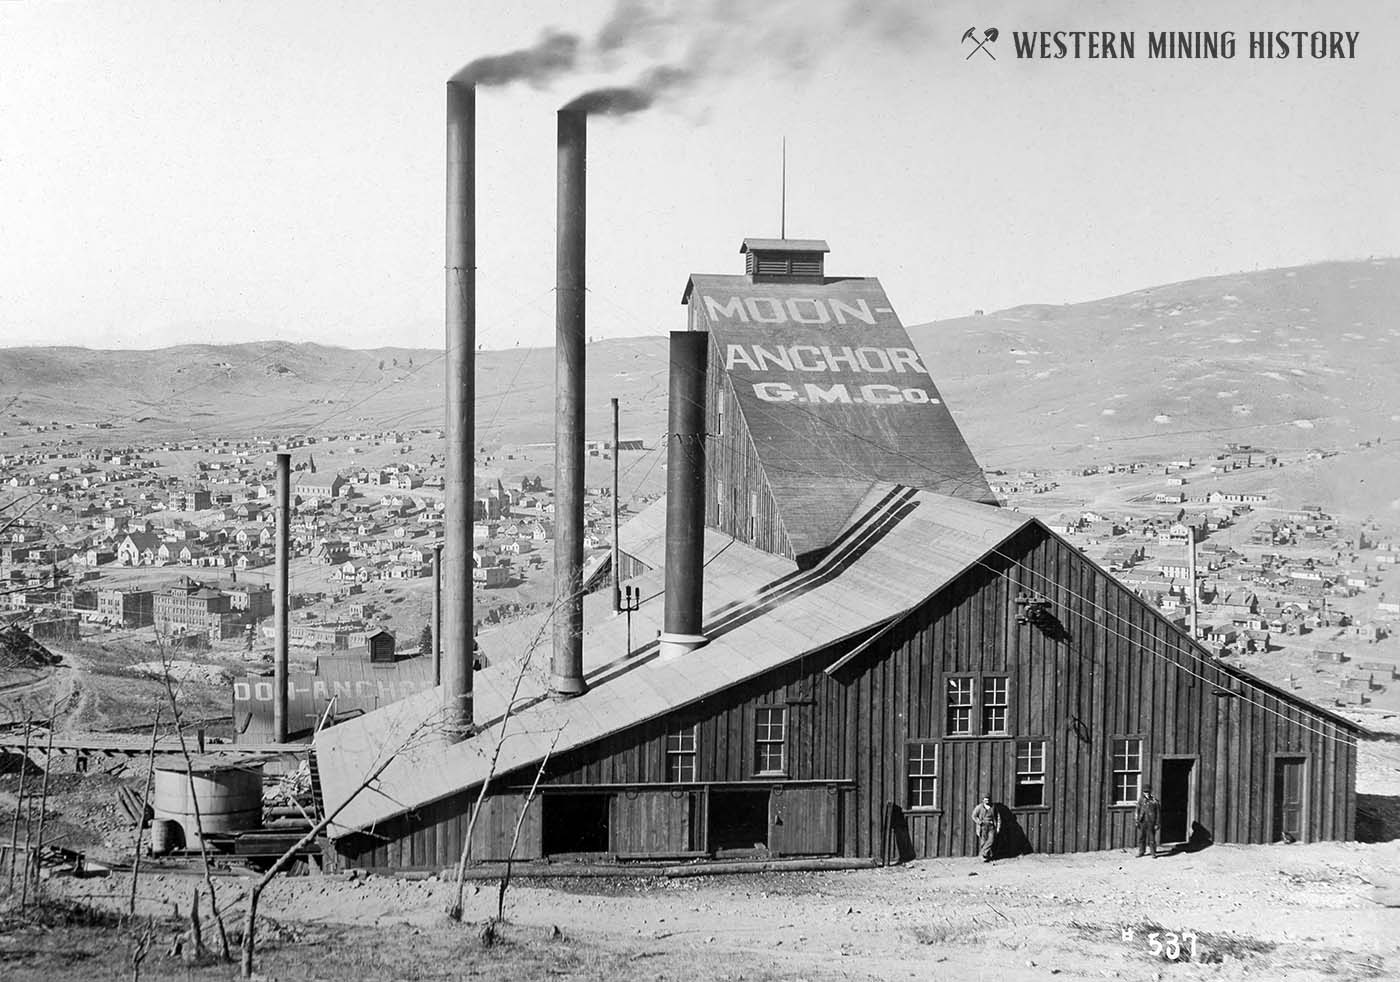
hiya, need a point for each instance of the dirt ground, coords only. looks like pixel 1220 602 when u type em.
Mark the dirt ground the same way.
pixel 1323 911
pixel 1284 912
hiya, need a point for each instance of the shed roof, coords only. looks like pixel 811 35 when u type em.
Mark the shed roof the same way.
pixel 761 612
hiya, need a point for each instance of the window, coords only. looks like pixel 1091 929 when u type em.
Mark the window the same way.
pixel 923 775
pixel 1030 773
pixel 968 693
pixel 719 503
pixel 959 706
pixel 1127 770
pixel 994 705
pixel 770 741
pixel 753 515
pixel 680 755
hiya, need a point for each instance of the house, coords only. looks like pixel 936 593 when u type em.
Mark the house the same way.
pixel 1175 570
pixel 881 644
pixel 491 576
pixel 1370 631
pixel 1219 633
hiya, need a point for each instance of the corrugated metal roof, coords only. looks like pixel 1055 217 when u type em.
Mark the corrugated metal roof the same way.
pixel 761 612
pixel 784 245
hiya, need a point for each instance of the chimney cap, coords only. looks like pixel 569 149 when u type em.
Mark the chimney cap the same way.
pixel 783 245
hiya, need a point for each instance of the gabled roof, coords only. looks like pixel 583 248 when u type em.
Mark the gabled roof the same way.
pixel 761 613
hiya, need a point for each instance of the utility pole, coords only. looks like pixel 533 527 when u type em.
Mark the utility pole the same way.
pixel 617 489
pixel 437 614
pixel 1191 576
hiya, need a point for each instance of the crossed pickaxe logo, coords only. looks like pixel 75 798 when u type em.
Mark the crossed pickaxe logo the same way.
pixel 988 36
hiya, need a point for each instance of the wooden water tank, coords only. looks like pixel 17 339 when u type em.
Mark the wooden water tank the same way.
pixel 229 798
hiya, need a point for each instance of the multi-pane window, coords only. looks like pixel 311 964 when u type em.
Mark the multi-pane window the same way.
pixel 1127 770
pixel 1030 773
pixel 978 706
pixel 770 741
pixel 994 704
pixel 680 755
pixel 959 706
pixel 923 775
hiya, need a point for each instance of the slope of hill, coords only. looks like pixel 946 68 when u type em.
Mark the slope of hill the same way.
pixel 1286 358
pixel 278 387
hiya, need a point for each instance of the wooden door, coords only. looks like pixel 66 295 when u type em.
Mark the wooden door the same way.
pixel 1290 806
pixel 804 821
pixel 495 828
pixel 654 823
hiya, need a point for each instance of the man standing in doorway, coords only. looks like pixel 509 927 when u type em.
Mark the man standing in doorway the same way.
pixel 1149 820
pixel 988 823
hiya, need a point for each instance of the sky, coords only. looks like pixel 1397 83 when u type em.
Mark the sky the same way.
pixel 177 171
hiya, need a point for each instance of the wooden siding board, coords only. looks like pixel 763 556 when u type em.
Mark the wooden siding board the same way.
pixel 1114 672
pixel 1092 586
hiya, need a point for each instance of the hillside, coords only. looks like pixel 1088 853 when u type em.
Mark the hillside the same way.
pixel 1287 358
pixel 279 387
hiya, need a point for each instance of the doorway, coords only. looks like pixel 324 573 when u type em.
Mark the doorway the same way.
pixel 1177 795
pixel 575 823
pixel 738 822
pixel 1290 811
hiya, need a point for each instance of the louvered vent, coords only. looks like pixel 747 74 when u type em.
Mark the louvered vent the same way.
pixel 785 259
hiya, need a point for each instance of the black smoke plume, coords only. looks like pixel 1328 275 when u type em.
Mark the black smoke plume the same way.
pixel 554 54
pixel 627 99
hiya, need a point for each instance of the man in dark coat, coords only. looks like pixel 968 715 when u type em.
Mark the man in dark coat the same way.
pixel 1149 820
pixel 988 823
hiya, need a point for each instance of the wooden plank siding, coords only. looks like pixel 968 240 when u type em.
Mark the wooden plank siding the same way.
pixel 732 462
pixel 1108 667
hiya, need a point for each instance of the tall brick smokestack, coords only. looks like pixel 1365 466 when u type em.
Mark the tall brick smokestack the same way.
pixel 566 677
pixel 459 486
pixel 685 495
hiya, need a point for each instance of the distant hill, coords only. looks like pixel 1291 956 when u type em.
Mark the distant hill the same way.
pixel 1283 358
pixel 1288 358
pixel 279 387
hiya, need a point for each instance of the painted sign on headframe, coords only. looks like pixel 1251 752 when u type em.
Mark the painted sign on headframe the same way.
pixel 834 395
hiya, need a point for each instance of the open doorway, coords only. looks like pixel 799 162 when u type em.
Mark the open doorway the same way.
pixel 1177 794
pixel 575 823
pixel 738 821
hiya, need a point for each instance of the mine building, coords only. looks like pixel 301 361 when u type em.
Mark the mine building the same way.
pixel 839 643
